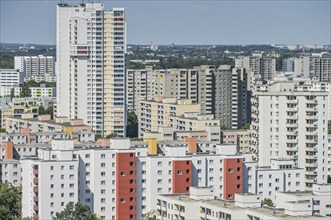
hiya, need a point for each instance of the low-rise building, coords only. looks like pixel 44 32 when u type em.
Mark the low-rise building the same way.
pixel 201 204
pixel 43 91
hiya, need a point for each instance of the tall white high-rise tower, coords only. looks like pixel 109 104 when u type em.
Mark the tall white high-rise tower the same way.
pixel 90 66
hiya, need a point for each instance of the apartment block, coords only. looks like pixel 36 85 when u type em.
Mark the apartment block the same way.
pixel 285 117
pixel 200 203
pixel 17 108
pixel 35 65
pixel 119 180
pixel 241 97
pixel 288 64
pixel 207 85
pixel 42 91
pixel 76 129
pixel 262 65
pixel 157 113
pixel 279 176
pixel 91 45
pixel 241 138
pixel 9 91
pixel 11 77
pixel 315 66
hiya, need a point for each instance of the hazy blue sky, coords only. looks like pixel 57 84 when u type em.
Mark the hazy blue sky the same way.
pixel 184 22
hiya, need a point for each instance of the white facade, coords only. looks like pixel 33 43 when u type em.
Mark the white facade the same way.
pixel 50 181
pixel 202 205
pixel 290 122
pixel 11 77
pixel 37 92
pixel 91 45
pixel 10 172
pixel 34 65
pixel 7 91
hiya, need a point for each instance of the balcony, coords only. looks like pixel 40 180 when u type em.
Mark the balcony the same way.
pixel 35 189
pixel 292 141
pixel 310 180
pixel 292 101
pixel 311 165
pixel 291 149
pixel 35 208
pixel 311 117
pixel 292 125
pixel 35 171
pixel 311 141
pixel 292 117
pixel 311 149
pixel 312 157
pixel 311 101
pixel 35 181
pixel 35 199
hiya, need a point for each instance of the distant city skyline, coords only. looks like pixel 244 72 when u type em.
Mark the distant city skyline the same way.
pixel 184 22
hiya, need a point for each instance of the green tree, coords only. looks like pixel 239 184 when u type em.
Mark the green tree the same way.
pixel 267 202
pixel 12 93
pixel 245 126
pixel 132 126
pixel 112 135
pixel 48 111
pixel 329 127
pixel 10 201
pixel 97 136
pixel 151 215
pixel 2 130
pixel 75 212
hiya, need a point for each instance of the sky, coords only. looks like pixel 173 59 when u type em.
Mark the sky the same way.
pixel 184 21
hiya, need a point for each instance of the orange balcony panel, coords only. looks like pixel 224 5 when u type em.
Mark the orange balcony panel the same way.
pixel 35 207
pixel 35 180
pixel 35 198
pixel 35 189
pixel 35 172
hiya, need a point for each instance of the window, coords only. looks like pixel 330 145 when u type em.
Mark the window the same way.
pixel 179 172
pixel 187 171
pixel 238 169
pixel 103 209
pixel 103 182
pixel 159 172
pixel 122 173
pixel 87 156
pixel 187 180
pixel 159 164
pixel 230 170
pixel 103 173
pixel 238 186
pixel 103 156
pixel 71 194
pixel 103 200
pixel 71 167
pixel 51 167
pixel 230 196
pixel 103 165
pixel 103 191
pixel 122 200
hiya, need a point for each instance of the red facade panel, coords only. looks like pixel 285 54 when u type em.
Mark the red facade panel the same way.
pixel 181 176
pixel 233 177
pixel 125 185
